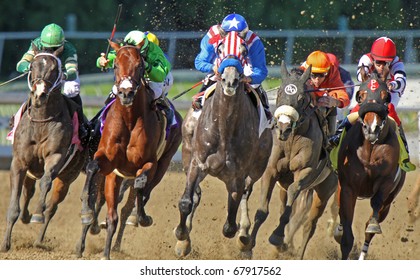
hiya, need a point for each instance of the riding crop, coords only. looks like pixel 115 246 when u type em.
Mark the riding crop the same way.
pixel 117 18
pixel 14 79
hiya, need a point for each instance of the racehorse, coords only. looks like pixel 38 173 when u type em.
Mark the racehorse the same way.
pixel 43 148
pixel 224 142
pixel 368 164
pixel 134 145
pixel 298 162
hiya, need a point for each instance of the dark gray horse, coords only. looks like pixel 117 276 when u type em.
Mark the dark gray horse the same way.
pixel 42 148
pixel 224 142
pixel 298 163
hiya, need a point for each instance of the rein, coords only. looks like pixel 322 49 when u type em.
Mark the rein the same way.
pixel 43 120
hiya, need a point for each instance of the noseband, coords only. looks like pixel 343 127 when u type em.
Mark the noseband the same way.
pixel 127 81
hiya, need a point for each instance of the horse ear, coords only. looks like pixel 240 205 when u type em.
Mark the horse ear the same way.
pixel 363 73
pixel 34 48
pixel 58 51
pixel 360 96
pixel 283 70
pixel 114 45
pixel 306 74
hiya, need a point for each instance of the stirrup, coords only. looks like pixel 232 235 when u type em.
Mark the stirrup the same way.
pixel 407 166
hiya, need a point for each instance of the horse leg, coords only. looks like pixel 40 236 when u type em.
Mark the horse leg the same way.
pixel 186 206
pixel 125 213
pixel 112 185
pixel 244 240
pixel 268 182
pixel 17 176
pixel 60 190
pixel 93 227
pixel 322 194
pixel 89 194
pixel 28 193
pixel 235 191
pixel 299 213
pixel 334 208
pixel 347 205
pixel 45 185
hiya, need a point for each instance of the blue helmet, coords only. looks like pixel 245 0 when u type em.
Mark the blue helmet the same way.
pixel 234 22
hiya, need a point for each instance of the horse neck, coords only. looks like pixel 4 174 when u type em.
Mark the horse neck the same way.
pixel 140 109
pixel 53 107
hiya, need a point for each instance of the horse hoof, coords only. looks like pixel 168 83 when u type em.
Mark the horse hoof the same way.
pixel 87 219
pixel 244 243
pixel 95 229
pixel 102 225
pixel 132 221
pixel 374 228
pixel 183 248
pixel 338 233
pixel 276 240
pixel 4 248
pixel 229 231
pixel 25 219
pixel 147 221
pixel 37 219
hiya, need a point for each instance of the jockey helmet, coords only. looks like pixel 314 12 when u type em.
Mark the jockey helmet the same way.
pixel 383 49
pixel 135 38
pixel 52 36
pixel 319 61
pixel 152 37
pixel 234 22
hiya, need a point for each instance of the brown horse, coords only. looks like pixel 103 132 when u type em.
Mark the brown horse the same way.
pixel 298 162
pixel 368 164
pixel 133 145
pixel 42 148
pixel 224 142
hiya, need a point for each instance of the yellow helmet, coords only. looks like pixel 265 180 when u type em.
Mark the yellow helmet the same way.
pixel 152 37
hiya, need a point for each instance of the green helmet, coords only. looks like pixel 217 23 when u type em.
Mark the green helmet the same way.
pixel 135 37
pixel 52 36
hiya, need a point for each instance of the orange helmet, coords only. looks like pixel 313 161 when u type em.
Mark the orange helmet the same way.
pixel 319 61
pixel 383 49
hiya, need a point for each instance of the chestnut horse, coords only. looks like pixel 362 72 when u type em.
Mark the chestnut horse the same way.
pixel 224 142
pixel 133 145
pixel 298 162
pixel 368 164
pixel 43 148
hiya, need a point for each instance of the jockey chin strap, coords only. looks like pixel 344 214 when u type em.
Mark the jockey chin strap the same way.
pixel 57 82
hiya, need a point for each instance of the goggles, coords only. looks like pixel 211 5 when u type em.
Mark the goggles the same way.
pixel 318 75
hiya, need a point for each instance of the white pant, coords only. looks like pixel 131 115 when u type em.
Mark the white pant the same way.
pixel 71 88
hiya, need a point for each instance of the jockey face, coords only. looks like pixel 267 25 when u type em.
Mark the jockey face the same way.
pixel 381 66
pixel 318 78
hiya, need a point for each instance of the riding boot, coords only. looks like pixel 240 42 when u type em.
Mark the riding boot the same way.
pixel 111 96
pixel 264 101
pixel 166 107
pixel 345 124
pixel 83 125
pixel 198 98
pixel 405 157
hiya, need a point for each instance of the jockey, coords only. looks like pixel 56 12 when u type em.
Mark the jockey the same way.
pixel 346 79
pixel 384 60
pixel 255 71
pixel 156 64
pixel 52 37
pixel 325 75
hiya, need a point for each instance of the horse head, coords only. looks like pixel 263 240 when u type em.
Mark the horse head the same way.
pixel 45 75
pixel 232 53
pixel 292 101
pixel 373 97
pixel 129 72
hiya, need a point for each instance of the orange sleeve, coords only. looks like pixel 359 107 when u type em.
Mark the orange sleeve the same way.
pixel 334 81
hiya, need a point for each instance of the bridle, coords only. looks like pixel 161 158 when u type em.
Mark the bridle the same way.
pixel 127 81
pixel 54 85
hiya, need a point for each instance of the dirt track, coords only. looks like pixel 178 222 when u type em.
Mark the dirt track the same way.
pixel 157 241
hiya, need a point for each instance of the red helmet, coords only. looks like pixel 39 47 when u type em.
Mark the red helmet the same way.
pixel 383 49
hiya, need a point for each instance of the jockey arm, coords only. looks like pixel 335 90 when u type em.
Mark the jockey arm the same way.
pixel 156 64
pixel 205 59
pixel 257 59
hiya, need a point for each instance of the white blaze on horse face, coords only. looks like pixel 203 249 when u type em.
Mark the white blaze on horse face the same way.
pixel 126 84
pixel 230 81
pixel 374 124
pixel 40 88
